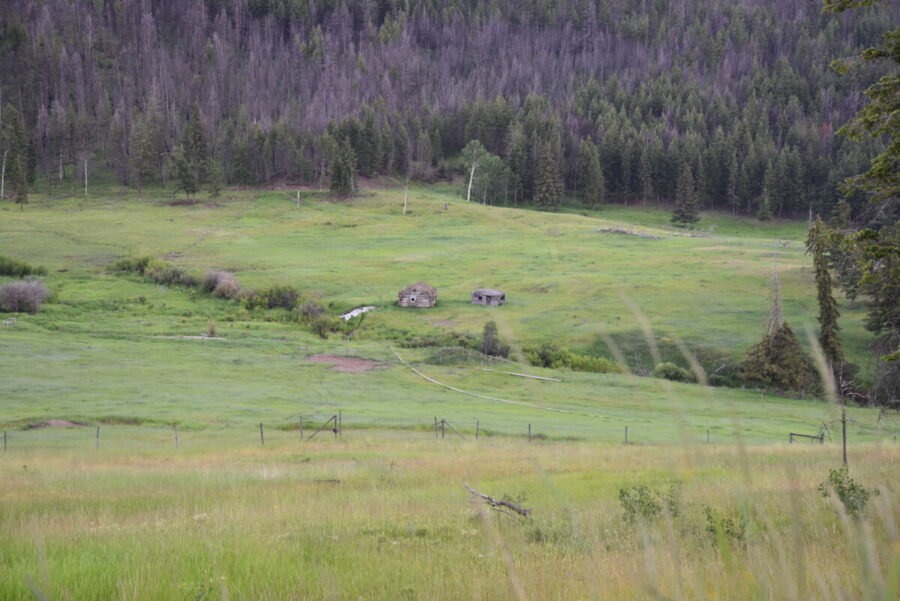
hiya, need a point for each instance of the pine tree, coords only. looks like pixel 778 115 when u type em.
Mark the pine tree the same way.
pixel 401 150
pixel 764 213
pixel 194 145
pixel 589 174
pixel 343 170
pixel 14 149
pixel 646 174
pixel 686 211
pixel 548 185
pixel 20 182
pixel 215 178
pixel 817 245
pixel 185 173
pixel 778 360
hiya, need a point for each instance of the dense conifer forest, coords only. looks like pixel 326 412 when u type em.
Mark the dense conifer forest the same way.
pixel 737 95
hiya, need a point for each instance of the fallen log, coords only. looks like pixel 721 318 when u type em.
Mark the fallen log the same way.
pixel 498 504
pixel 616 230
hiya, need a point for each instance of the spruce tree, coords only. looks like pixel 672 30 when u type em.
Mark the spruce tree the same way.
pixel 185 173
pixel 764 213
pixel 20 182
pixel 548 185
pixel 194 145
pixel 686 211
pixel 343 170
pixel 589 174
pixel 646 174
pixel 817 245
pixel 14 150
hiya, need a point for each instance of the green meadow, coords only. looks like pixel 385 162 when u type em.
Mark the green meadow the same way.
pixel 112 347
pixel 382 512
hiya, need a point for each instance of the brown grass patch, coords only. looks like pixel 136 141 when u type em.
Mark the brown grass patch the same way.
pixel 346 364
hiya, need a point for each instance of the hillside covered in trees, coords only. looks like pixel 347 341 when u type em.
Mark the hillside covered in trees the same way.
pixel 736 94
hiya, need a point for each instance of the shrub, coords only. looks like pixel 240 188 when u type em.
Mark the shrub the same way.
pixel 548 354
pixel 309 311
pixel 137 264
pixel 323 325
pixel 670 371
pixel 721 528
pixel 18 269
pixel 23 296
pixel 852 494
pixel 275 297
pixel 491 343
pixel 640 503
pixel 221 284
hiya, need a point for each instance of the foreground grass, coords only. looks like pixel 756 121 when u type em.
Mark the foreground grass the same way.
pixel 383 515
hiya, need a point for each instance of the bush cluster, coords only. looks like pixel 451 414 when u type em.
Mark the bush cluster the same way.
pixel 675 373
pixel 274 297
pixel 547 354
pixel 221 284
pixel 18 269
pixel 23 296
pixel 853 495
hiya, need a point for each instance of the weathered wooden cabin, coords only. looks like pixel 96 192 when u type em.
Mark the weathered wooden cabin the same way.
pixel 418 295
pixel 486 296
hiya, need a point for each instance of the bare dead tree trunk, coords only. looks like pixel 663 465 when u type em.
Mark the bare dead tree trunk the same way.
pixel 405 195
pixel 85 178
pixel 471 179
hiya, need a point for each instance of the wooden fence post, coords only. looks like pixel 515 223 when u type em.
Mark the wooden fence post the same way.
pixel 175 427
pixel 529 432
pixel 626 434
pixel 97 443
pixel 262 437
pixel 443 428
pixel 477 424
pixel 301 428
pixel 707 436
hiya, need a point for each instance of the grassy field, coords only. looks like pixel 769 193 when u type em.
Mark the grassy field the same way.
pixel 382 513
pixel 382 517
pixel 107 347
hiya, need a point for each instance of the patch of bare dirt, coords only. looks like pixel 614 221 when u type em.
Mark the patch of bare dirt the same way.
pixel 346 364
pixel 54 423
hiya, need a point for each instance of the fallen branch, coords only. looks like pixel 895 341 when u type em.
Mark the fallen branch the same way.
pixel 497 504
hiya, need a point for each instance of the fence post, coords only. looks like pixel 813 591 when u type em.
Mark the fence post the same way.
pixel 301 428
pixel 435 427
pixel 707 436
pixel 4 441
pixel 529 432
pixel 175 427
pixel 262 437
pixel 97 443
pixel 477 424
pixel 626 434
pixel 443 428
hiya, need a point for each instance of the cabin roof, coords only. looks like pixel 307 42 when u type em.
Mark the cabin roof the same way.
pixel 419 288
pixel 489 292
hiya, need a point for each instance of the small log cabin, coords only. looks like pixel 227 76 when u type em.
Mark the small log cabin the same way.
pixel 486 296
pixel 418 295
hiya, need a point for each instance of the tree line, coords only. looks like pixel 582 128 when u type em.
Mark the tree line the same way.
pixel 612 101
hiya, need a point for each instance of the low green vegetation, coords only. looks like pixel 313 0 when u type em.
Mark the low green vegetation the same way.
pixel 382 515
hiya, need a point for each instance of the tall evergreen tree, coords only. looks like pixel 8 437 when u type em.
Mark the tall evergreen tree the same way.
pixel 14 150
pixel 194 144
pixel 343 170
pixel 548 184
pixel 686 211
pixel 589 176
pixel 20 182
pixel 185 172
pixel 817 245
